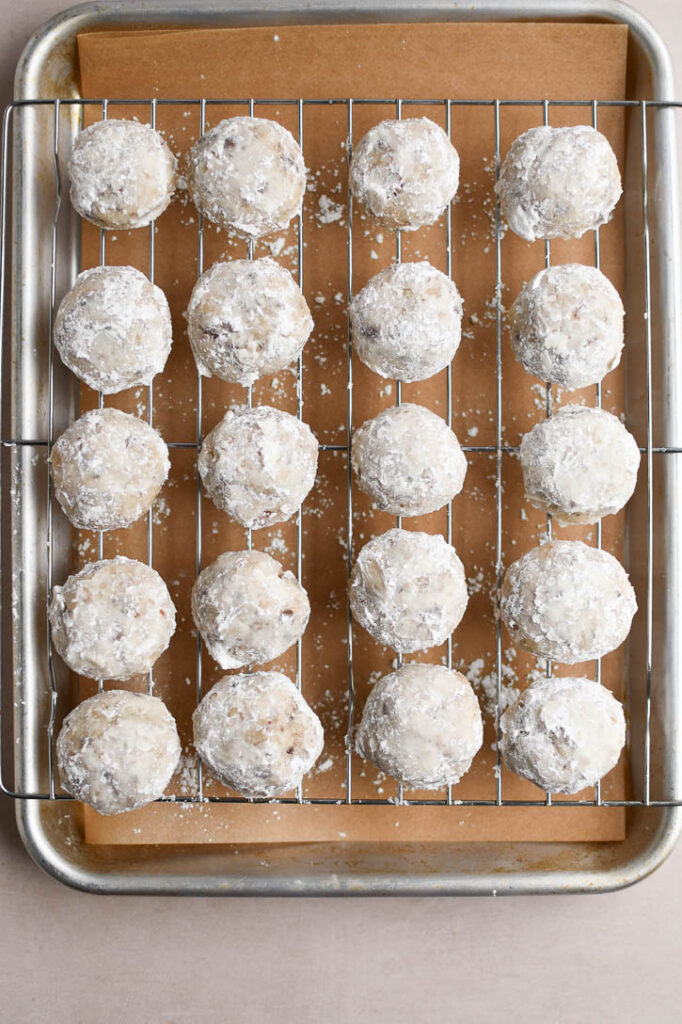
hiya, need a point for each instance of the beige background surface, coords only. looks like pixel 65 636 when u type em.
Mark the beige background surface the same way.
pixel 67 957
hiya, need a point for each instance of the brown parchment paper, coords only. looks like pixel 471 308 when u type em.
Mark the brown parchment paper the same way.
pixel 420 61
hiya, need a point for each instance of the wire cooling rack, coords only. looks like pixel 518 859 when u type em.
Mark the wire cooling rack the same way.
pixel 498 450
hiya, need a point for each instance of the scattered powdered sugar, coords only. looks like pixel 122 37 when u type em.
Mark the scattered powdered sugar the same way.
pixel 186 780
pixel 476 582
pixel 276 544
pixel 275 247
pixel 328 211
pixel 485 685
pixel 160 511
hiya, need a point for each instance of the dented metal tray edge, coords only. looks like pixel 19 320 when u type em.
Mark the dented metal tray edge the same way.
pixel 337 869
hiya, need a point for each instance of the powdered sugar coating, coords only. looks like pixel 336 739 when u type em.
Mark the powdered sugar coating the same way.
pixel 408 460
pixel 406 323
pixel 257 734
pixel 558 182
pixel 579 465
pixel 118 750
pixel 421 725
pixel 408 590
pixel 563 734
pixel 568 602
pixel 247 174
pixel 566 326
pixel 247 320
pixel 113 619
pixel 405 172
pixel 247 609
pixel 258 465
pixel 122 173
pixel 107 469
pixel 113 329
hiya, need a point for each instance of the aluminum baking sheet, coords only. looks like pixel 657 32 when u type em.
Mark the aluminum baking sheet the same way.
pixel 51 830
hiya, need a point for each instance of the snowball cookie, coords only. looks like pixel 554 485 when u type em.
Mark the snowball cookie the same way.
pixel 567 326
pixel 405 172
pixel 258 465
pixel 247 174
pixel 113 619
pixel 558 182
pixel 113 329
pixel 408 590
pixel 248 609
pixel 406 323
pixel 422 725
pixel 257 734
pixel 123 174
pixel 118 750
pixel 563 734
pixel 107 469
pixel 580 464
pixel 247 320
pixel 567 601
pixel 408 460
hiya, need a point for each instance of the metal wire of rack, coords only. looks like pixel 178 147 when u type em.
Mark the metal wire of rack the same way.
pixel 499 450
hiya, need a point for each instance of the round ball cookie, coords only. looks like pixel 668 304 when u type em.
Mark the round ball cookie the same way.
pixel 422 726
pixel 247 609
pixel 107 469
pixel 112 620
pixel 406 323
pixel 247 174
pixel 563 734
pixel 118 750
pixel 258 465
pixel 405 172
pixel 558 182
pixel 408 590
pixel 408 460
pixel 113 329
pixel 122 173
pixel 568 602
pixel 247 320
pixel 579 465
pixel 257 734
pixel 566 326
